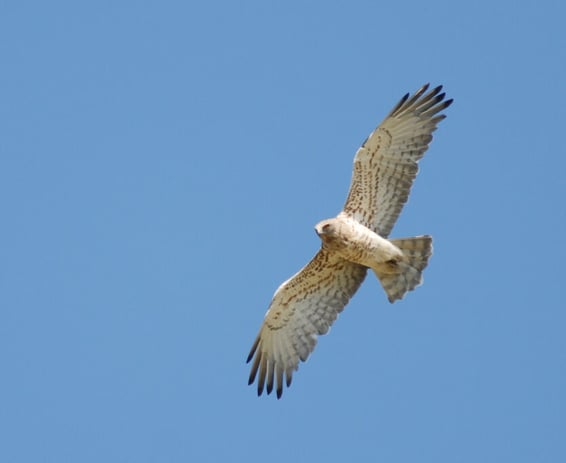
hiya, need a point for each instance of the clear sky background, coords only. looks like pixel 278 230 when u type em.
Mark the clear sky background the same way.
pixel 162 166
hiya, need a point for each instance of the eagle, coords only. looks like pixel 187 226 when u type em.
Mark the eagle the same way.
pixel 306 305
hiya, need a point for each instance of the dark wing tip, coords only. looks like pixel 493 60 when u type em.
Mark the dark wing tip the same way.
pixel 399 105
pixel 423 89
pixel 253 373
pixel 289 379
pixel 255 366
pixel 436 89
pixel 260 385
pixel 253 349
pixel 419 98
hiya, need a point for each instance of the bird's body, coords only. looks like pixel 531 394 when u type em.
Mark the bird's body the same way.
pixel 356 240
pixel 396 263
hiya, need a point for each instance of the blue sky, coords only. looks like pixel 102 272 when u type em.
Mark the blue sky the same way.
pixel 162 166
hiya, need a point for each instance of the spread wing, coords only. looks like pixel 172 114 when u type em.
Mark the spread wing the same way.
pixel 303 307
pixel 386 163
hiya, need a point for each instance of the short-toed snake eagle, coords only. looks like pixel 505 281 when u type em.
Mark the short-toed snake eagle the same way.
pixel 307 304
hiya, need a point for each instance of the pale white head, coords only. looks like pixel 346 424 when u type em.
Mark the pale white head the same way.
pixel 326 228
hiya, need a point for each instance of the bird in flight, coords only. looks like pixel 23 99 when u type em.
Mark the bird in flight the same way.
pixel 356 240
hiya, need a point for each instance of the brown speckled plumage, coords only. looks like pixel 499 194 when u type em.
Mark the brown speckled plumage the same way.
pixel 307 304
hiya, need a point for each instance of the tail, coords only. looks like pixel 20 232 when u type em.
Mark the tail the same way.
pixel 399 277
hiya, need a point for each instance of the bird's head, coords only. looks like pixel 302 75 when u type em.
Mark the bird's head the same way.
pixel 326 228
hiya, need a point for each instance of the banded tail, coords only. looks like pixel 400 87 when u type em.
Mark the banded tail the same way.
pixel 399 277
